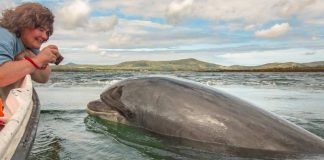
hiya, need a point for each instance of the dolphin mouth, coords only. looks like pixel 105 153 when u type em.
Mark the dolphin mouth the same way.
pixel 97 107
pixel 102 110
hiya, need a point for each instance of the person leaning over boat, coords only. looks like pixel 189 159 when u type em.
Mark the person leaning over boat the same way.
pixel 23 30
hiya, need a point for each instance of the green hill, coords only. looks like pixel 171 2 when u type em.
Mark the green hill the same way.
pixel 176 65
pixel 281 65
pixel 288 66
pixel 191 65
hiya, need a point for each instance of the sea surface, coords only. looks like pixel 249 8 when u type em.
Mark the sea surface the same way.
pixel 66 131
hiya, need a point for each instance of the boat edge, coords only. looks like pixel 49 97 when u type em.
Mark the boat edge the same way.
pixel 25 145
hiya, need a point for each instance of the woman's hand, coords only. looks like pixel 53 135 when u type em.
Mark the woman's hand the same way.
pixel 47 55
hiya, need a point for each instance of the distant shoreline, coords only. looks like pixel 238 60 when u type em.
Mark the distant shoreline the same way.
pixel 138 70
pixel 190 65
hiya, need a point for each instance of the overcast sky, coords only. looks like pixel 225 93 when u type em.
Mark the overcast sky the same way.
pixel 226 32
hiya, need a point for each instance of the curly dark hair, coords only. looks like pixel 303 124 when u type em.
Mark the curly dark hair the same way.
pixel 27 15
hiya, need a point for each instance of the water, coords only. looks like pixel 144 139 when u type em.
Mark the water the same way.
pixel 66 131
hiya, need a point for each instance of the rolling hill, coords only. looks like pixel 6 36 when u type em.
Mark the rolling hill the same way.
pixel 192 65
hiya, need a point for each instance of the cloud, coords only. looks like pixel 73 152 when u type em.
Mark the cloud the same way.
pixel 6 4
pixel 315 21
pixel 248 11
pixel 143 8
pixel 101 24
pixel 119 39
pixel 275 31
pixel 132 34
pixel 294 7
pixel 179 10
pixel 93 48
pixel 114 55
pixel 252 58
pixel 310 53
pixel 74 14
pixel 314 38
pixel 312 12
pixel 250 27
pixel 77 15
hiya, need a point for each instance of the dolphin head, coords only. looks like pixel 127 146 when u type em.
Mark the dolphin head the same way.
pixel 110 106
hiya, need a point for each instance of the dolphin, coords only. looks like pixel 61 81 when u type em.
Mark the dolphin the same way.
pixel 181 108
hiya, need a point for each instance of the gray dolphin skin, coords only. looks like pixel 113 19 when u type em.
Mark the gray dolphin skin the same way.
pixel 181 108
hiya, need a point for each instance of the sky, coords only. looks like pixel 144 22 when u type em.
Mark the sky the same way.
pixel 225 32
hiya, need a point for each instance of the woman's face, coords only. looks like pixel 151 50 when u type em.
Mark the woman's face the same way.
pixel 34 37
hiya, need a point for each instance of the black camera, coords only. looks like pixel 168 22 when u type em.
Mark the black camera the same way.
pixel 59 60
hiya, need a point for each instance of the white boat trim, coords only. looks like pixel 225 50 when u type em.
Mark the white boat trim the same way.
pixel 21 107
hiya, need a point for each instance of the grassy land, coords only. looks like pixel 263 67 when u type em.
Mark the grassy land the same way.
pixel 192 65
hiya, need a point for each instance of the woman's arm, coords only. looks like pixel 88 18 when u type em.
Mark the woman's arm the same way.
pixel 40 76
pixel 12 71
